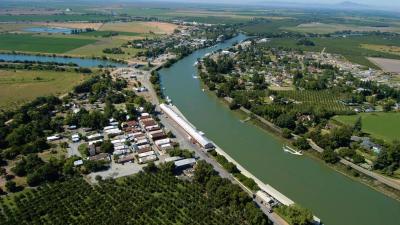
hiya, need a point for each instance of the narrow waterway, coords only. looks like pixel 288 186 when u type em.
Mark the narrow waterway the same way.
pixel 82 62
pixel 334 198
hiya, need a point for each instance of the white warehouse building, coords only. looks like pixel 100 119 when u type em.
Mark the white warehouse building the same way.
pixel 203 141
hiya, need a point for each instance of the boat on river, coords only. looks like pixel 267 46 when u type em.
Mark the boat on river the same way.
pixel 291 150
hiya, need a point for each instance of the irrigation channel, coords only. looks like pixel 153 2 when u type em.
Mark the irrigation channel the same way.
pixel 333 197
pixel 83 62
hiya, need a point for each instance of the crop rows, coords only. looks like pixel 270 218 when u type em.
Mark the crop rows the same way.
pixel 144 199
pixel 319 99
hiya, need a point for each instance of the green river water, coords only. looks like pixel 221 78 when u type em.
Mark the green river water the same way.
pixel 333 197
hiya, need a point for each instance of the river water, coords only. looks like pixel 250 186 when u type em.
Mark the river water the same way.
pixel 82 62
pixel 333 197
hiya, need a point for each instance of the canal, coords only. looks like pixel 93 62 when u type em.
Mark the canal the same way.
pixel 333 197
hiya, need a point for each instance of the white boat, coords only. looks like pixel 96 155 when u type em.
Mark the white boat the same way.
pixel 168 100
pixel 291 150
pixel 196 63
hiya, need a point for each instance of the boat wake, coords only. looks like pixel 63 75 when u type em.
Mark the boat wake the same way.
pixel 291 150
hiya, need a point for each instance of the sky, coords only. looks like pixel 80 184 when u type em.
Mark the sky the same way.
pixel 386 3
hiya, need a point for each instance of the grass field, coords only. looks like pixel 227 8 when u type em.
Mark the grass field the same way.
pixel 36 43
pixel 96 49
pixel 350 47
pixel 21 86
pixel 323 99
pixel 385 126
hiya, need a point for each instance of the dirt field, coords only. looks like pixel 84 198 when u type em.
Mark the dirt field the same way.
pixel 140 27
pixel 95 26
pixel 383 48
pixel 388 65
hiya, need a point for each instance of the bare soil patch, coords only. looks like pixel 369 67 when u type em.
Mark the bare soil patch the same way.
pixel 387 65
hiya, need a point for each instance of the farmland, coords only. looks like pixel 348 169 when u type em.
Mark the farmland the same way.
pixel 383 48
pixel 379 125
pixel 37 43
pixel 140 27
pixel 324 28
pixel 21 86
pixel 96 49
pixel 387 65
pixel 142 199
pixel 321 99
pixel 350 47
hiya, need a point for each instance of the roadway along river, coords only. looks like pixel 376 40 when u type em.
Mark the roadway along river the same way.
pixel 334 198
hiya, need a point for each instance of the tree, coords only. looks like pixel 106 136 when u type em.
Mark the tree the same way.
pixel 301 143
pixel 285 121
pixel 330 156
pixel 203 172
pixel 107 147
pixel 167 167
pixel 150 168
pixel 296 214
pixel 286 133
pixel 11 186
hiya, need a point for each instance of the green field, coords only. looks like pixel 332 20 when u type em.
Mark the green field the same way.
pixel 322 99
pixel 37 43
pixel 350 47
pixel 385 126
pixel 22 86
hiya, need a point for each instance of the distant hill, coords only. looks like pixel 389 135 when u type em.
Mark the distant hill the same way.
pixel 350 4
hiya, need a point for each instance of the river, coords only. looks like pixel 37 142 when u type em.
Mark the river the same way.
pixel 333 197
pixel 82 62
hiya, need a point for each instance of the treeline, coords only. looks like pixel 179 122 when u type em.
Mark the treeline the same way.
pixel 231 168
pixel 155 80
pixel 113 51
pixel 33 65
pixel 78 31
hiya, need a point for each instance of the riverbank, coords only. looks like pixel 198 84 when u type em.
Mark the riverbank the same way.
pixel 333 197
pixel 313 153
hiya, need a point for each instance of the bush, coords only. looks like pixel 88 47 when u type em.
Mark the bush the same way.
pixel 301 143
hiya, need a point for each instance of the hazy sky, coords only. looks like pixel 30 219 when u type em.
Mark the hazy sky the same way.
pixel 394 3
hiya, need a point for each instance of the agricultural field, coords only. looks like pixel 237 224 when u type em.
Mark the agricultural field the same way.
pixel 140 27
pixel 141 199
pixel 387 65
pixel 96 49
pixel 18 87
pixel 40 43
pixel 385 126
pixel 321 99
pixel 324 28
pixel 383 48
pixel 350 47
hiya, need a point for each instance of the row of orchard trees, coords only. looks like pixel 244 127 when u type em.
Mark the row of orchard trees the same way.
pixel 155 197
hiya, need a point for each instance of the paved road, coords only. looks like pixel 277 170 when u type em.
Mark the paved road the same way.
pixel 388 181
pixel 73 149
